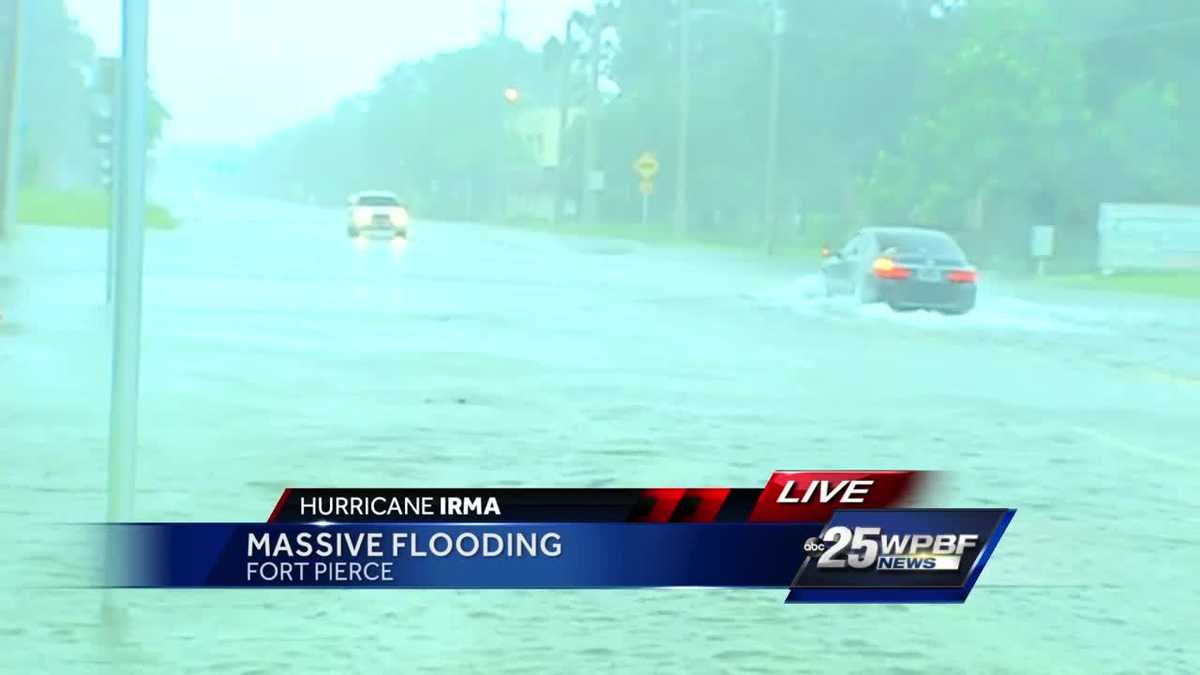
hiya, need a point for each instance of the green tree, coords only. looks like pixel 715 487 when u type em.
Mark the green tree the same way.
pixel 1001 118
pixel 57 98
pixel 430 129
pixel 1006 113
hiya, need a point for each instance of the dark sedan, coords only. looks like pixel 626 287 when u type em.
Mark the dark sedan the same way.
pixel 906 267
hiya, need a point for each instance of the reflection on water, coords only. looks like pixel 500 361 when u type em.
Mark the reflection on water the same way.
pixel 397 245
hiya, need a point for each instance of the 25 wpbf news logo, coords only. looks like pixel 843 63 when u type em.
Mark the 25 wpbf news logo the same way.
pixel 862 548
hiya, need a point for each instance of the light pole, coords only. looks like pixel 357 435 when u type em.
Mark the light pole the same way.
pixel 501 189
pixel 11 122
pixel 593 111
pixel 129 184
pixel 778 26
pixel 681 150
pixel 512 96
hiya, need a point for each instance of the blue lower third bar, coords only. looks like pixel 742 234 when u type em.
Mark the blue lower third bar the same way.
pixel 475 556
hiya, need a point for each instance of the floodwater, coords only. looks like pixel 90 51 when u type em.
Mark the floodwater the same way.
pixel 277 352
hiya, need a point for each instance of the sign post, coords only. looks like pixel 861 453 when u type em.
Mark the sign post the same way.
pixel 646 188
pixel 127 290
pixel 130 187
pixel 646 167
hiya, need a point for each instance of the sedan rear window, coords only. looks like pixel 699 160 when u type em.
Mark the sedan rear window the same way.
pixel 376 200
pixel 935 245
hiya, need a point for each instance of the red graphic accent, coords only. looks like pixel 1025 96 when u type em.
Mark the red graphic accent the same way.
pixel 279 504
pixel 665 500
pixel 711 500
pixel 813 496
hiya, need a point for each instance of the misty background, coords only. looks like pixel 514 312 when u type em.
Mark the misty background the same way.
pixel 982 118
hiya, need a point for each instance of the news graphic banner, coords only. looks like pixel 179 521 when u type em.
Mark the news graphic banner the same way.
pixel 824 536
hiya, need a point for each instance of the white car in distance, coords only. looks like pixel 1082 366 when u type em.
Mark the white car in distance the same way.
pixel 377 211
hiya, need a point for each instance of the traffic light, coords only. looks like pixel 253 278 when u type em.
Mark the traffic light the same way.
pixel 102 139
pixel 106 75
pixel 102 131
pixel 103 118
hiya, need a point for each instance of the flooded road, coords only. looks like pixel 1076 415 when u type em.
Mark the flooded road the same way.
pixel 277 352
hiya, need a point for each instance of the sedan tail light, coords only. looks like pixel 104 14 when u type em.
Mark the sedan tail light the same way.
pixel 967 276
pixel 886 268
pixel 400 215
pixel 362 217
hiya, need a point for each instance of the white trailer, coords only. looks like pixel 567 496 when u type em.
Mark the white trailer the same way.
pixel 1148 237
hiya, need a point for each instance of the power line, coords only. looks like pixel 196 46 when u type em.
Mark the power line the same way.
pixel 842 36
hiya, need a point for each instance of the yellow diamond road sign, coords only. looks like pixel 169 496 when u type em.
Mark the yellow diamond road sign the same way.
pixel 646 166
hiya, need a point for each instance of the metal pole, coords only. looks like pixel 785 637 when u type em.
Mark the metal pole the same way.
pixel 593 111
pixel 769 210
pixel 563 103
pixel 130 175
pixel 645 208
pixel 11 122
pixel 500 186
pixel 684 94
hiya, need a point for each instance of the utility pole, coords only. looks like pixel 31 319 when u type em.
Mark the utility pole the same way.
pixel 10 123
pixel 769 207
pixel 130 179
pixel 563 102
pixel 681 157
pixel 590 192
pixel 567 58
pixel 501 186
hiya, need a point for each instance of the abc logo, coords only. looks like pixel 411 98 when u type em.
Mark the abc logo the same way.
pixel 814 547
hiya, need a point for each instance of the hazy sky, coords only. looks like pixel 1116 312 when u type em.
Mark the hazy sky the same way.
pixel 233 70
